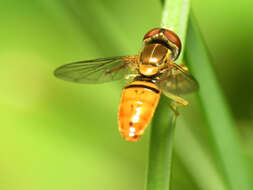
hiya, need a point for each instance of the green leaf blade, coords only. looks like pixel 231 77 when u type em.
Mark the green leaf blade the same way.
pixel 221 124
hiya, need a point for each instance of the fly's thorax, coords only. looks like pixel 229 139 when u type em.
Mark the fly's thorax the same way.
pixel 153 58
pixel 148 70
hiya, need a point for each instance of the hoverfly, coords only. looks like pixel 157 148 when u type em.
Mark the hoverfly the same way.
pixel 153 71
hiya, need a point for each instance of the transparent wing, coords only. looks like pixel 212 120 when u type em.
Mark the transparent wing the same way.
pixel 178 81
pixel 96 70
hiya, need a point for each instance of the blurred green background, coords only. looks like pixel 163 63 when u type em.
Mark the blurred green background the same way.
pixel 59 135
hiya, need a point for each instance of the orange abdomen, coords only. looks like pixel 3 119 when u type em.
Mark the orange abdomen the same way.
pixel 137 106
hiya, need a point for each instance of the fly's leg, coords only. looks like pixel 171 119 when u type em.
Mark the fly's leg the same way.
pixel 131 76
pixel 183 66
pixel 178 102
pixel 174 104
pixel 173 109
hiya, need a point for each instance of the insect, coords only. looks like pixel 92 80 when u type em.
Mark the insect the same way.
pixel 152 71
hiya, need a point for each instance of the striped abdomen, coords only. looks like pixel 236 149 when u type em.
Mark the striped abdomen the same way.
pixel 138 103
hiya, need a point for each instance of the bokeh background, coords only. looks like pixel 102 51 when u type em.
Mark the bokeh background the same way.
pixel 59 135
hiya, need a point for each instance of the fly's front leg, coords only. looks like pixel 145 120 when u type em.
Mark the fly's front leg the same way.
pixel 180 67
pixel 183 66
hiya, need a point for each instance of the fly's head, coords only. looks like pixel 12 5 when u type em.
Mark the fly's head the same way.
pixel 166 38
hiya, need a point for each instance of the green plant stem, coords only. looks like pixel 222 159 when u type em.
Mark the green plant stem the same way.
pixel 161 147
pixel 221 124
pixel 175 16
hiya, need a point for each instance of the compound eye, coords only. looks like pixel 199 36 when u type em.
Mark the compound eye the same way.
pixel 151 33
pixel 173 38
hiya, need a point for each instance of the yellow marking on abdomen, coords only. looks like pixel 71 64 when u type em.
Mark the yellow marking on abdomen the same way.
pixel 137 106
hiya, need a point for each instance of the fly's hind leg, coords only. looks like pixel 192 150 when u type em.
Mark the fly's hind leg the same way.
pixel 178 102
